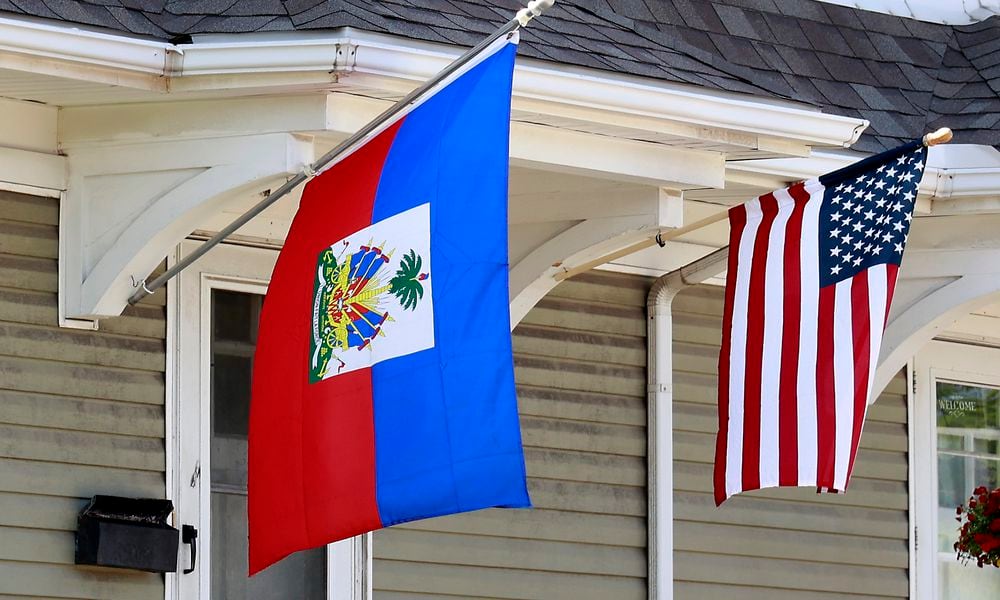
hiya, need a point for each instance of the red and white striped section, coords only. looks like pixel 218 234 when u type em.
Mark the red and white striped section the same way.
pixel 797 361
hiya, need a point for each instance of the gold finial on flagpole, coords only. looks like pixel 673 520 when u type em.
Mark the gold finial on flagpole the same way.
pixel 941 136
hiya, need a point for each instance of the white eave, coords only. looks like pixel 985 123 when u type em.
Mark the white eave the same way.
pixel 28 39
pixel 220 61
pixel 949 12
pixel 358 54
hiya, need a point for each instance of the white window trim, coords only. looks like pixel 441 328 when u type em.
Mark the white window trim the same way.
pixel 938 360
pixel 188 317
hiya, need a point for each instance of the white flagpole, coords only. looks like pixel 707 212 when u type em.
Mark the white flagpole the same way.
pixel 521 19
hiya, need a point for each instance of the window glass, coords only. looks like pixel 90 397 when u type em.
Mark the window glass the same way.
pixel 301 575
pixel 968 439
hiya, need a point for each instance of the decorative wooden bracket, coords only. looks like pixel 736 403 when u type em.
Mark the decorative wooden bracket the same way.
pixel 936 288
pixel 538 272
pixel 127 205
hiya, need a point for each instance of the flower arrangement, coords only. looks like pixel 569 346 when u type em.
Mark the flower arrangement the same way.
pixel 979 537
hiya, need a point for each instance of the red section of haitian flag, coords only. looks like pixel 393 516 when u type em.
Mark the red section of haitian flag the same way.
pixel 326 457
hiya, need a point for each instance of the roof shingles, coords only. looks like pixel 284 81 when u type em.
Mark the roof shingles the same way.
pixel 905 76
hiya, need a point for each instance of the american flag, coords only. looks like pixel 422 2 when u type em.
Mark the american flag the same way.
pixel 811 273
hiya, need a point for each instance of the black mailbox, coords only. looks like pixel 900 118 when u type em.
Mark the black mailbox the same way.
pixel 128 533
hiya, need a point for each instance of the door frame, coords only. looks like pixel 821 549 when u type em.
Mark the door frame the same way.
pixel 947 361
pixel 239 268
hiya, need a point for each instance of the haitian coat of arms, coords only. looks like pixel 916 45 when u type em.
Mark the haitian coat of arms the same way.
pixel 360 290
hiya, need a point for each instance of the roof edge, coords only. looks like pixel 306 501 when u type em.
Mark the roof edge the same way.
pixel 75 45
pixel 954 12
pixel 73 53
pixel 357 54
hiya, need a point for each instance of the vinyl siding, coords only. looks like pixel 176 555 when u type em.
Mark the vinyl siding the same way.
pixel 81 413
pixel 788 543
pixel 580 359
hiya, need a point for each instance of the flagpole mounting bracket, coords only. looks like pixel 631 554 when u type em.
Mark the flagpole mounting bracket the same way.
pixel 141 283
pixel 534 8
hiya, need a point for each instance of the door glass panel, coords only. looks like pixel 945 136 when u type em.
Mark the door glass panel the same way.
pixel 301 575
pixel 968 431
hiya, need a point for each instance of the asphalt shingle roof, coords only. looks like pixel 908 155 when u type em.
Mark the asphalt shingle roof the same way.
pixel 905 76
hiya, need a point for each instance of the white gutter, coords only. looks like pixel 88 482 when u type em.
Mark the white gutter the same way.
pixel 72 52
pixel 951 12
pixel 362 54
pixel 674 103
pixel 39 40
pixel 965 171
pixel 283 55
pixel 660 423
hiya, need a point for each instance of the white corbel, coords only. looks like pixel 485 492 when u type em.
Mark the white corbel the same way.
pixel 127 205
pixel 936 288
pixel 534 275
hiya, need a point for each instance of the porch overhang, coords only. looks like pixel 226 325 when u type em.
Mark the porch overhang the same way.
pixel 644 138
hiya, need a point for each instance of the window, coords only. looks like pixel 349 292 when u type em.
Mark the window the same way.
pixel 956 448
pixel 968 455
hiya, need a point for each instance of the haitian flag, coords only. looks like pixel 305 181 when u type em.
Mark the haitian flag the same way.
pixel 383 381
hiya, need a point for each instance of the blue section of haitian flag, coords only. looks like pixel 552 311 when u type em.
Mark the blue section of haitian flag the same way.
pixel 447 436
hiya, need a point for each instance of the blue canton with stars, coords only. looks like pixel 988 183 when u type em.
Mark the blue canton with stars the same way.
pixel 865 216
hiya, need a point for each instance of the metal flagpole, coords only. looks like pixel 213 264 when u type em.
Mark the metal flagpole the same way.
pixel 521 19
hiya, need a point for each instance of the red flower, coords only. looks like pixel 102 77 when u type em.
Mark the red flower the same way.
pixel 987 542
pixel 979 535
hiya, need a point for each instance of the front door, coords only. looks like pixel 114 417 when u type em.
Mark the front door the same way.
pixel 215 306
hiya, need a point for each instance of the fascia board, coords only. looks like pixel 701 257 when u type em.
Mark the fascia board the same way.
pixel 613 94
pixel 795 168
pixel 590 88
pixel 78 46
pixel 358 53
pixel 266 56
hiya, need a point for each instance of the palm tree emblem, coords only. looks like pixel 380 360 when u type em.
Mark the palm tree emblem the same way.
pixel 406 284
